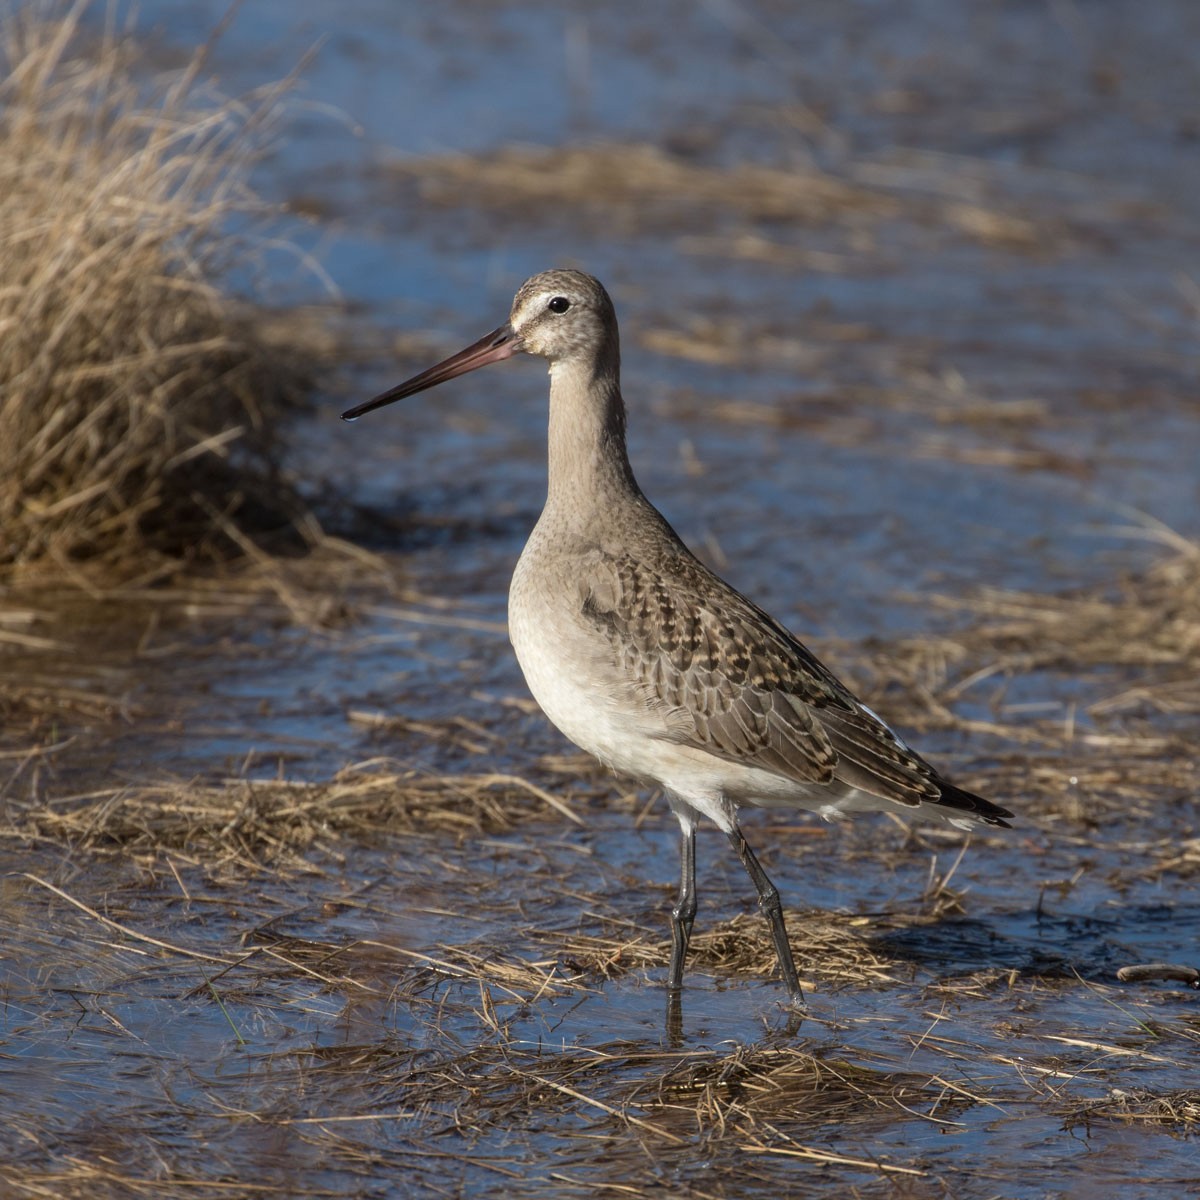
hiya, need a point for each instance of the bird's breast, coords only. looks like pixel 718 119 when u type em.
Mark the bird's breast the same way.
pixel 569 664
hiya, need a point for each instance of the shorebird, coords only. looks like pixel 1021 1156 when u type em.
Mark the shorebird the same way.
pixel 653 664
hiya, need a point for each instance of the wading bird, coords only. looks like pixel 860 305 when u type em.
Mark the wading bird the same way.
pixel 646 659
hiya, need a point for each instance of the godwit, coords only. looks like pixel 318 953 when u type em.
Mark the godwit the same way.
pixel 646 659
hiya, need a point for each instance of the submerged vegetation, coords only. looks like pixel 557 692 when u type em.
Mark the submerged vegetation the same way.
pixel 136 399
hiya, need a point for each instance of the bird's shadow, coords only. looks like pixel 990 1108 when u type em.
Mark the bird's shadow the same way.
pixel 1050 945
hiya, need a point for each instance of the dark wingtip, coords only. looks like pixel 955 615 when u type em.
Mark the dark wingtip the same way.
pixel 968 802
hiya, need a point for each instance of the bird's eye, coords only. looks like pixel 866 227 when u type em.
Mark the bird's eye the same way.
pixel 559 304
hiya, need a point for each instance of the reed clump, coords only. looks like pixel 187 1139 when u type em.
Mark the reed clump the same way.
pixel 135 395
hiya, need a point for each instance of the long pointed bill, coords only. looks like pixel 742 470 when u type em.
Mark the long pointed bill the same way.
pixel 498 345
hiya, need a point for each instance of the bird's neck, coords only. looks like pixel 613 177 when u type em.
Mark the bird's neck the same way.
pixel 589 466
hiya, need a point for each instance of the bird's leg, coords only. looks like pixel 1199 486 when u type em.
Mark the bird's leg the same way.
pixel 683 915
pixel 674 1020
pixel 772 909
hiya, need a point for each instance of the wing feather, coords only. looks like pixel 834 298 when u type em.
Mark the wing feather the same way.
pixel 739 686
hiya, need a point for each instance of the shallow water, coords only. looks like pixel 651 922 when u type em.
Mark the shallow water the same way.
pixel 939 413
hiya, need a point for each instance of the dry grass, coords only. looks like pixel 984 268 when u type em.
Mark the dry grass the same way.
pixel 759 1098
pixel 1134 643
pixel 135 397
pixel 1173 1110
pixel 1150 621
pixel 833 949
pixel 280 826
pixel 640 186
pixel 640 183
pixel 502 980
pixel 757 1087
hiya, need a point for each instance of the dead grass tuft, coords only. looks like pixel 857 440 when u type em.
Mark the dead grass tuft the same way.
pixel 760 1096
pixel 135 396
pixel 1136 1106
pixel 759 1086
pixel 1135 642
pixel 278 824
pixel 637 182
pixel 639 186
pixel 836 950
pixel 501 979
pixel 1150 620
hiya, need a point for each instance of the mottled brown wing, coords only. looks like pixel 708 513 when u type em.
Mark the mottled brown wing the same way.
pixel 751 693
pixel 745 690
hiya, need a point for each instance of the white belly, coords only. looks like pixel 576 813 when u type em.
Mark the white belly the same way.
pixel 570 685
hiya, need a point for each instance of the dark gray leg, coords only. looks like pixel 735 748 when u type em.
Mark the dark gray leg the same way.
pixel 683 915
pixel 772 909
